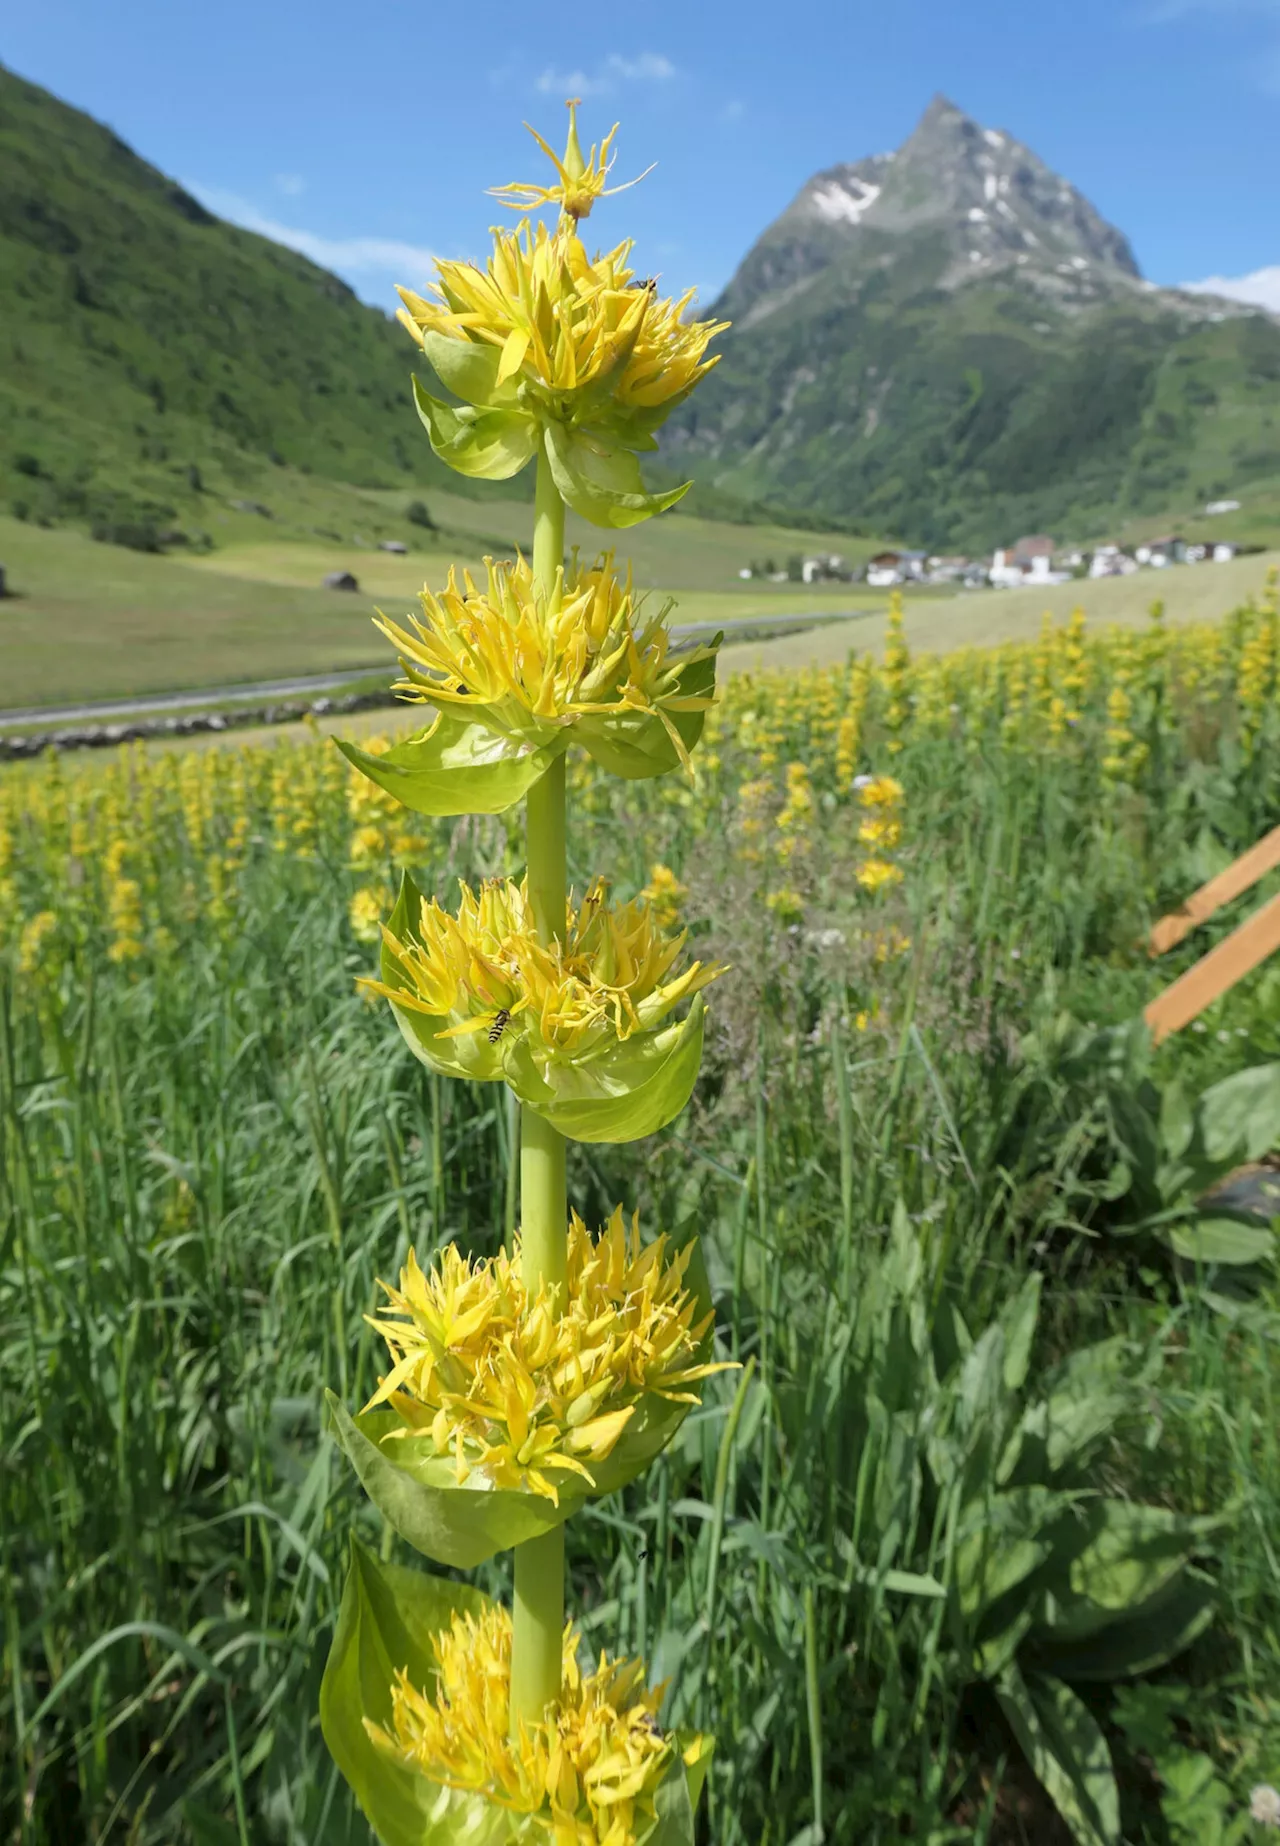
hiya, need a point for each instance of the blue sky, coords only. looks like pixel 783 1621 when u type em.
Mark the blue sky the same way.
pixel 366 135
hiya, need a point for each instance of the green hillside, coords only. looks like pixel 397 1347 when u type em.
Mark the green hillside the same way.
pixel 151 354
pixel 156 362
pixel 950 343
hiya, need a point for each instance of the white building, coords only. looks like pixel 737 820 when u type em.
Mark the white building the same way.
pixel 1110 561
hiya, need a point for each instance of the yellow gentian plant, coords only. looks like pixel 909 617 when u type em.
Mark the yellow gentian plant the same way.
pixel 519 1386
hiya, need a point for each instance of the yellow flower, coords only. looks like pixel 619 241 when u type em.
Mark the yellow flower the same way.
pixel 32 940
pixel 665 894
pixel 529 665
pixel 879 831
pixel 367 909
pixel 585 1773
pixel 569 328
pixel 787 905
pixel 580 181
pixel 367 843
pixel 879 791
pixel 485 982
pixel 877 874
pixel 523 1389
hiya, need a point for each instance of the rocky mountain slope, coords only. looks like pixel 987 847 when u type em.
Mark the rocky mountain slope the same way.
pixel 950 341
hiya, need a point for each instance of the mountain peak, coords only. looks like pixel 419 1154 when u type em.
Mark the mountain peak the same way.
pixel 982 202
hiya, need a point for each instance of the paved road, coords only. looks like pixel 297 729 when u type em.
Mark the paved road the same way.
pixel 157 703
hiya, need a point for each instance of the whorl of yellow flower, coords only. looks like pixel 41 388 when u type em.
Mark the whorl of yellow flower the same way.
pixel 607 978
pixel 523 1388
pixel 879 791
pixel 665 893
pixel 567 325
pixel 31 943
pixel 587 1771
pixel 583 651
pixel 579 182
pixel 877 874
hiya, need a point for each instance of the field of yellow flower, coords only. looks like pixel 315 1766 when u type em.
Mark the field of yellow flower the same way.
pixel 923 1096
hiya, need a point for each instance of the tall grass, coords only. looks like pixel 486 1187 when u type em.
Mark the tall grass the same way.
pixel 211 1146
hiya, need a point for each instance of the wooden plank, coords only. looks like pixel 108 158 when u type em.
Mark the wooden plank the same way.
pixel 1247 870
pixel 1215 972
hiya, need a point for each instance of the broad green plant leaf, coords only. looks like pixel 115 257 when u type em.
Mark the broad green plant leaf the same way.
pixel 637 745
pixel 1217 1238
pixel 601 480
pixel 1239 1118
pixel 1068 1753
pixel 625 1094
pixel 1131 1551
pixel 1137 1642
pixel 470 371
pixel 387 1620
pixel 417 1492
pixel 455 766
pixel 1020 1330
pixel 1003 1539
pixel 486 445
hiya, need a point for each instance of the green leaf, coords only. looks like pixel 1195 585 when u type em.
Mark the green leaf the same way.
pixel 1217 1238
pixel 418 1494
pixel 625 1094
pixel 1124 1552
pixel 470 370
pixel 486 445
pixel 1177 1121
pixel 1020 1329
pixel 637 744
pixel 1068 1753
pixel 455 766
pixel 601 480
pixel 1140 1641
pixel 1003 1539
pixel 1240 1117
pixel 387 1620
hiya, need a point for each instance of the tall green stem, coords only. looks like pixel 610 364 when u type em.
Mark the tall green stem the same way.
pixel 538 1612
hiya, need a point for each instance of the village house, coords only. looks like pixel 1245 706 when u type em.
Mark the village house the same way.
pixel 825 567
pixel 1029 561
pixel 1159 553
pixel 892 567
pixel 1110 561
pixel 947 570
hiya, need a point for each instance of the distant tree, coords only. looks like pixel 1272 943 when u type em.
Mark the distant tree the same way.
pixel 418 515
pixel 795 568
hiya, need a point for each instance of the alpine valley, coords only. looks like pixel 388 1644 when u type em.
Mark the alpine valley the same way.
pixel 943 345
pixel 949 343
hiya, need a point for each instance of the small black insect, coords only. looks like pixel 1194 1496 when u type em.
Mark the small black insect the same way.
pixel 501 1021
pixel 647 282
pixel 651 1724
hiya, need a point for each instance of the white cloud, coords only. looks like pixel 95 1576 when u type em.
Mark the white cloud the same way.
pixel 1261 289
pixel 733 111
pixel 605 78
pixel 358 259
pixel 290 184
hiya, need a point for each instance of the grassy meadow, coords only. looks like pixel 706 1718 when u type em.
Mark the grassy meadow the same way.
pixel 88 621
pixel 986 1548
pixel 989 618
